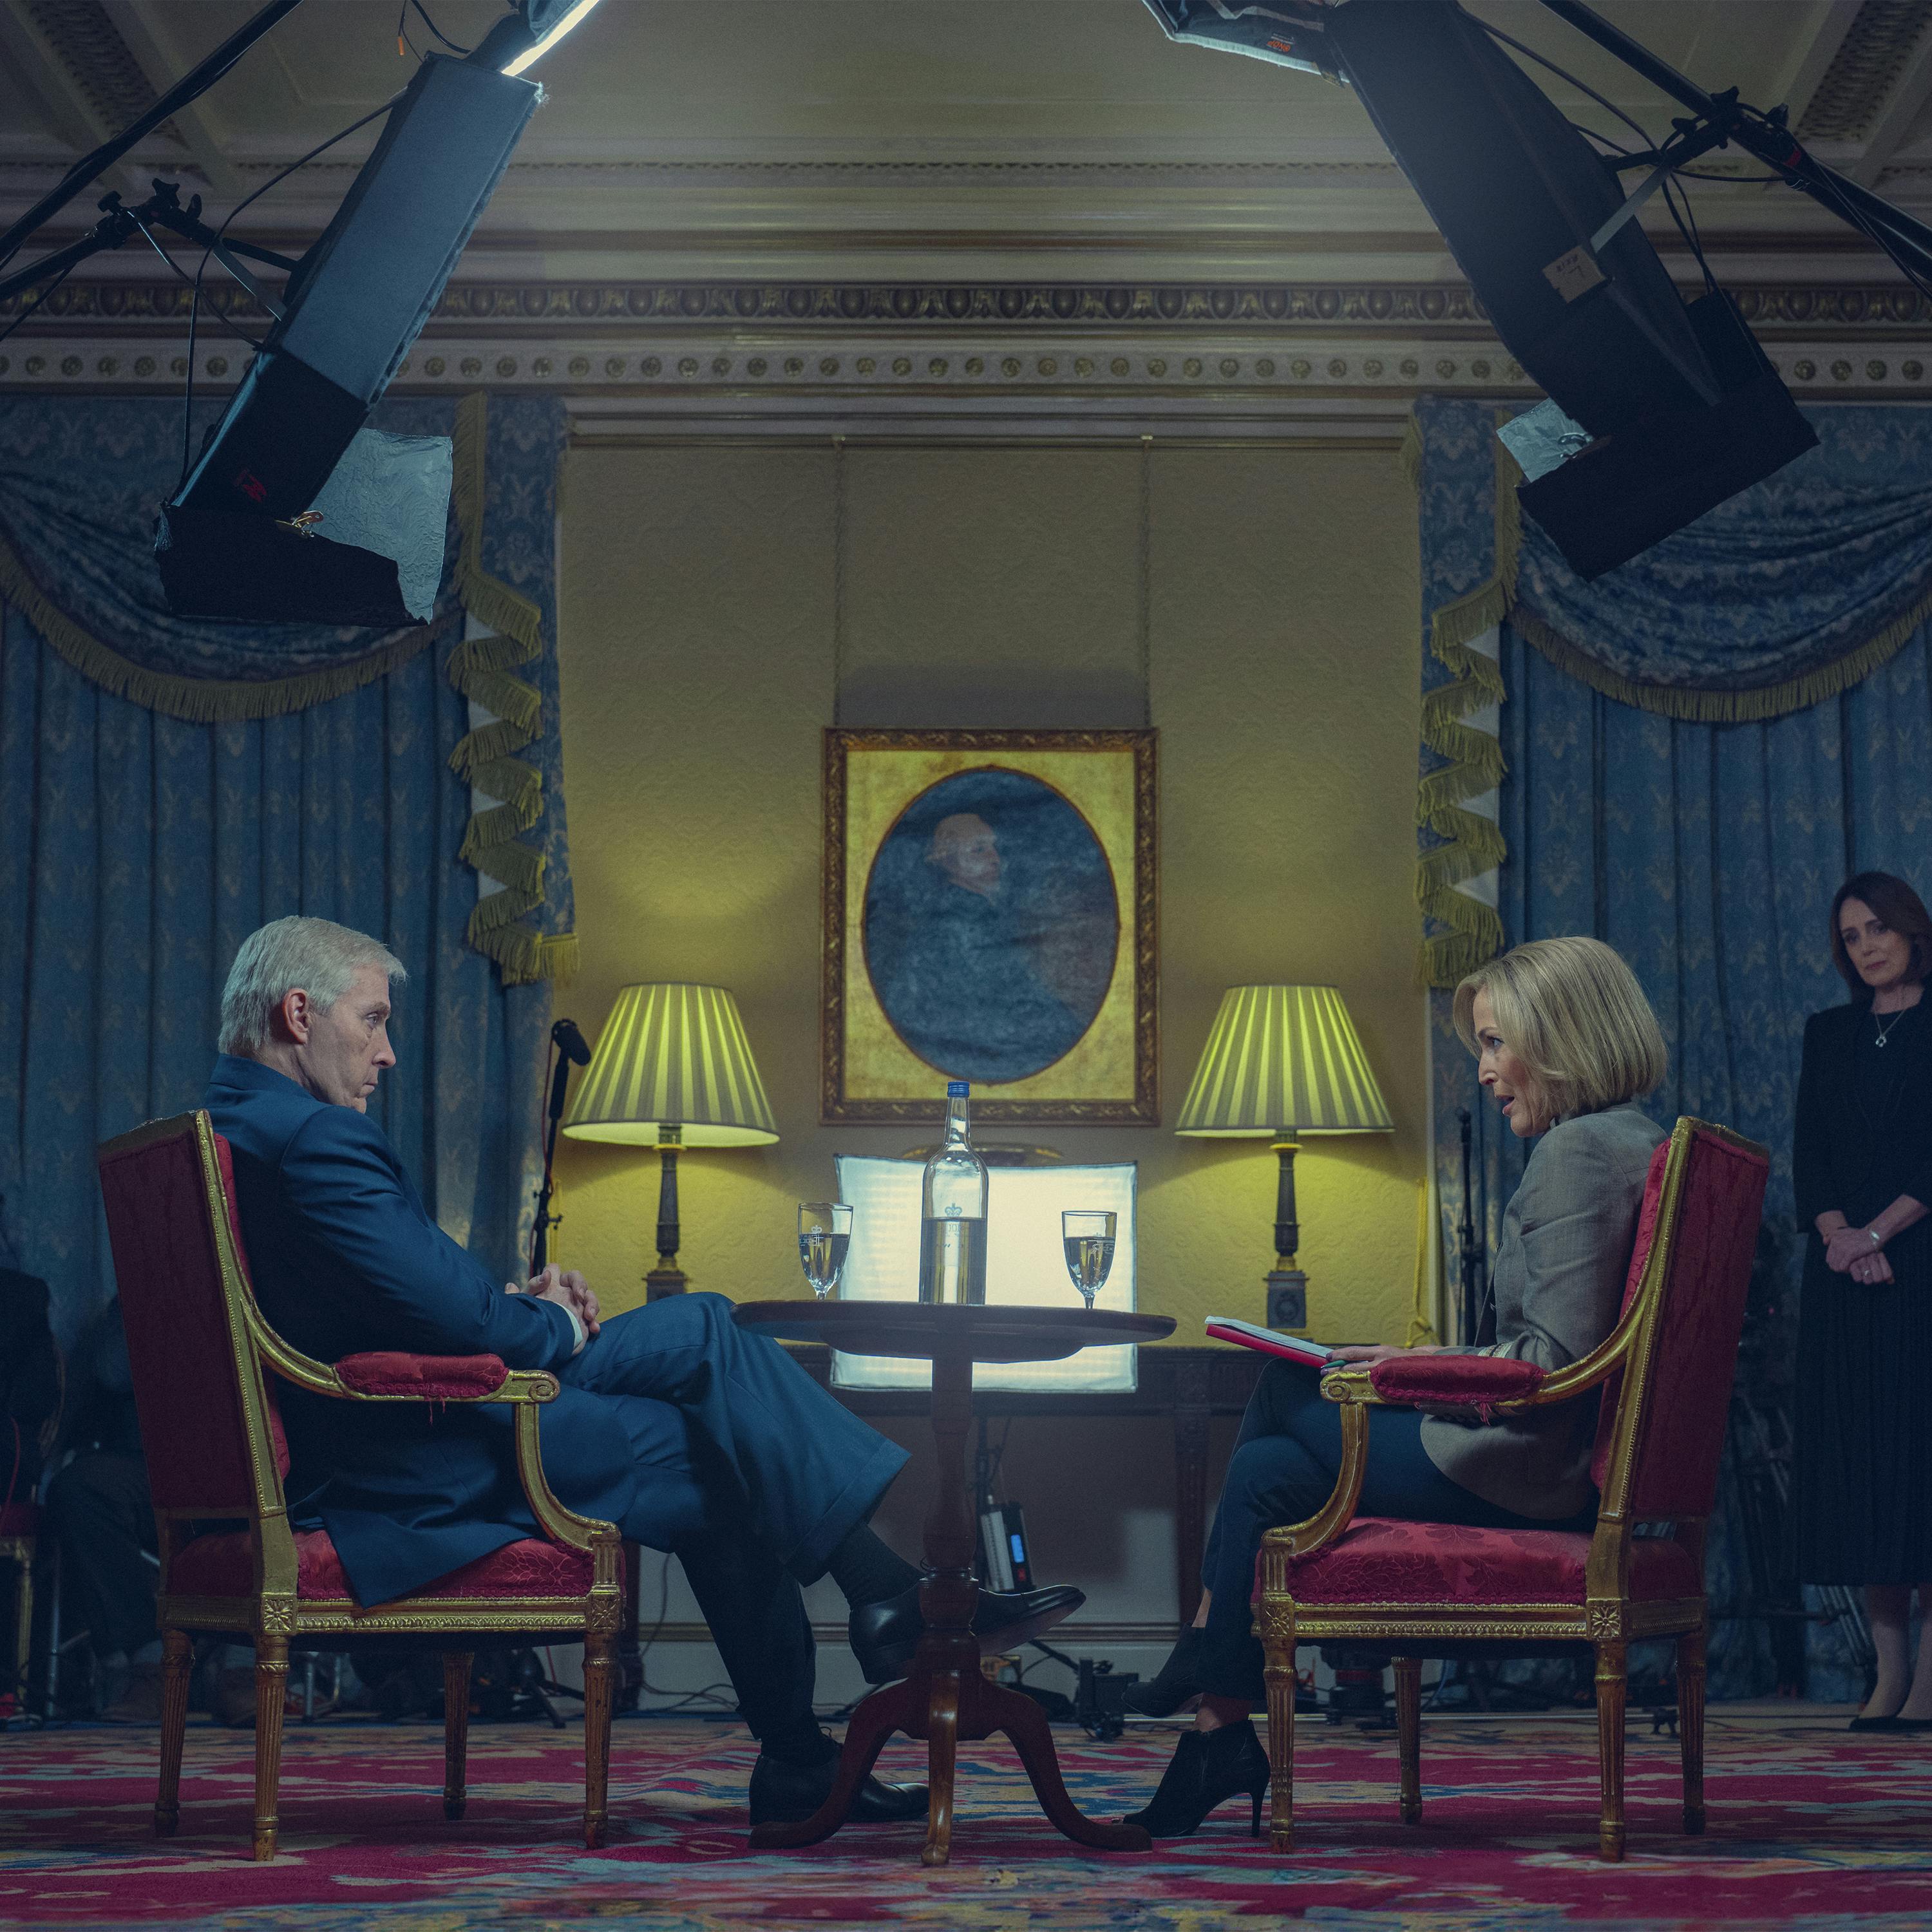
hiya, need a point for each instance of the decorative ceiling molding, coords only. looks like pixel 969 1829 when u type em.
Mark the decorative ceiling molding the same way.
pixel 1383 308
pixel 971 371
pixel 99 63
pixel 1855 87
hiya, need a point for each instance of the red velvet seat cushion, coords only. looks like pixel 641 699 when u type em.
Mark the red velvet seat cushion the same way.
pixel 218 1566
pixel 20 1519
pixel 1380 1560
pixel 444 1378
pixel 1454 1381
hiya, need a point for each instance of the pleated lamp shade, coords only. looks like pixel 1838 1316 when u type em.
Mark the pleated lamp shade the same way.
pixel 673 1056
pixel 1283 1060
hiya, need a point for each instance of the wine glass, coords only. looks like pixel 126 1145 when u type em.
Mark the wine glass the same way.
pixel 824 1234
pixel 1088 1239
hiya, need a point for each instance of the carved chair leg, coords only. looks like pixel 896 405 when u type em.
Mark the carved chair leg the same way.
pixel 177 1656
pixel 1278 1632
pixel 271 1686
pixel 1408 1735
pixel 600 1653
pixel 1690 1725
pixel 455 1732
pixel 1611 1689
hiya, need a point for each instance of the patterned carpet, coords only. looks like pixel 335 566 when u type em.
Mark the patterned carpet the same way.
pixel 1810 1827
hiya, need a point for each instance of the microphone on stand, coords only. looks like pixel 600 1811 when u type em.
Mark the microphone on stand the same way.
pixel 572 1049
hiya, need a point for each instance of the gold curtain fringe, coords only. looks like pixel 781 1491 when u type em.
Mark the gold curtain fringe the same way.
pixel 195 700
pixel 480 667
pixel 513 700
pixel 493 828
pixel 1754 706
pixel 514 781
pixel 520 868
pixel 1410 455
pixel 1475 937
pixel 524 958
pixel 487 745
pixel 1476 845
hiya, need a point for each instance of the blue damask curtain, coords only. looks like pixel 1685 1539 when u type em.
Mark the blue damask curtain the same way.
pixel 137 849
pixel 1706 853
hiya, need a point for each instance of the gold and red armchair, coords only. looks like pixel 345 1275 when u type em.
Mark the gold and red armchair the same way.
pixel 199 1347
pixel 1419 1590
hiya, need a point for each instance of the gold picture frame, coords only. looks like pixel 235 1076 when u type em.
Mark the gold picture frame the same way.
pixel 990 914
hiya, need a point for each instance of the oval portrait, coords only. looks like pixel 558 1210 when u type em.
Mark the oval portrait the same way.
pixel 991 925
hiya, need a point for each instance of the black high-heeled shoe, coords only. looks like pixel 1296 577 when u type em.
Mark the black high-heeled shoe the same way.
pixel 1207 1767
pixel 1177 1680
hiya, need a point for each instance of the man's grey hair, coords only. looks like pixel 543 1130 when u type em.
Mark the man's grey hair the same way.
pixel 318 955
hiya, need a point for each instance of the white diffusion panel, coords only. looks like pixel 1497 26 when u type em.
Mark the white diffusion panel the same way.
pixel 1025 1266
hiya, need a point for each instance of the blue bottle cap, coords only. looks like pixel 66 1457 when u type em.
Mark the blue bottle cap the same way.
pixel 957 1089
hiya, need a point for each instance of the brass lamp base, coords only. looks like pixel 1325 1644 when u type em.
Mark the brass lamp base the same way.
pixel 663 1281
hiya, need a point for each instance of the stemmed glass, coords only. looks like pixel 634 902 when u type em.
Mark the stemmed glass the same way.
pixel 1088 1239
pixel 824 1234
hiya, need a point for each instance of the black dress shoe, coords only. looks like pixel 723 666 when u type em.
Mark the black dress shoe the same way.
pixel 1207 1768
pixel 786 1793
pixel 885 1635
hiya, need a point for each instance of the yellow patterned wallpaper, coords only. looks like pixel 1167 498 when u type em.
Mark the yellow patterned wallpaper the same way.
pixel 697 649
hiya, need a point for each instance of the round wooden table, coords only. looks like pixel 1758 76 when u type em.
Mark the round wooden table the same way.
pixel 945 1698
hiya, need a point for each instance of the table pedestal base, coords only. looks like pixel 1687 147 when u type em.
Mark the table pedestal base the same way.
pixel 946 1707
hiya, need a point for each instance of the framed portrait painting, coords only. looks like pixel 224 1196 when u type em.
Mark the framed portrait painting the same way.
pixel 990 916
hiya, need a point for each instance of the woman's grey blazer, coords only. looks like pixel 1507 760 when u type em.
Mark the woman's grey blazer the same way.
pixel 1559 1284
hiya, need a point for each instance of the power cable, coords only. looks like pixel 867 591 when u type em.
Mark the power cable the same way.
pixel 194 307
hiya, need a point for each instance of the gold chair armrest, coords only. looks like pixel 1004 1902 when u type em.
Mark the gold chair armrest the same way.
pixel 1351 1385
pixel 1304 1539
pixel 526 1389
pixel 559 1522
pixel 519 1385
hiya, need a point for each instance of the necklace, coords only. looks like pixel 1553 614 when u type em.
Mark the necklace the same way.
pixel 1884 1032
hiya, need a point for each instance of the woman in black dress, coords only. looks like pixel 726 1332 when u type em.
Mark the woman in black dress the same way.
pixel 1862 1161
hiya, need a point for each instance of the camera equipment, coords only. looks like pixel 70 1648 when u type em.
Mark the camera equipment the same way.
pixel 237 540
pixel 1659 409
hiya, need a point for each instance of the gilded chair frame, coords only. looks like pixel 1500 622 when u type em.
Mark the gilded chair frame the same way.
pixel 1608 1620
pixel 276 1617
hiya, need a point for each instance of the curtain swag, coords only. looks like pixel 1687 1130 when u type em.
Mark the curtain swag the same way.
pixel 1790 594
pixel 101 613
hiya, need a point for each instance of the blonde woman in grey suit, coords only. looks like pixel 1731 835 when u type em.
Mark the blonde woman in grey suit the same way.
pixel 1566 1045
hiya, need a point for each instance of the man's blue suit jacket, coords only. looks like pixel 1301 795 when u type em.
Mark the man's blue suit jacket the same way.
pixel 345 1259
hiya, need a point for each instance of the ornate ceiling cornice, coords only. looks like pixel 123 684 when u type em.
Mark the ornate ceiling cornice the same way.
pixel 1381 308
pixel 1854 89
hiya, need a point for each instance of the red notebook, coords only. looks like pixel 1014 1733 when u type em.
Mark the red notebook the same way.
pixel 1267 1342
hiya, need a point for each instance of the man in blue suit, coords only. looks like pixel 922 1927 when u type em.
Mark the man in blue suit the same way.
pixel 691 1434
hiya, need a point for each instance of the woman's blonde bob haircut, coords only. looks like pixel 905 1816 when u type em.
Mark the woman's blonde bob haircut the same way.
pixel 1573 1012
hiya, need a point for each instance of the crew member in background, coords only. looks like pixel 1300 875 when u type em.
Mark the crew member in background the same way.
pixel 1861 1167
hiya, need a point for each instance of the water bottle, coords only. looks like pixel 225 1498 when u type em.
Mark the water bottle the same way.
pixel 953 1244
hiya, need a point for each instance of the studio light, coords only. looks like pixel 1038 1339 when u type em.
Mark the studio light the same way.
pixel 529 33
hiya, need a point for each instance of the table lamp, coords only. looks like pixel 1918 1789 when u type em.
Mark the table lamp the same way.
pixel 1283 1060
pixel 672 1069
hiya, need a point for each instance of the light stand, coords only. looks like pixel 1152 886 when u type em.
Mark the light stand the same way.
pixel 1470 1250
pixel 1722 118
pixel 571 1049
